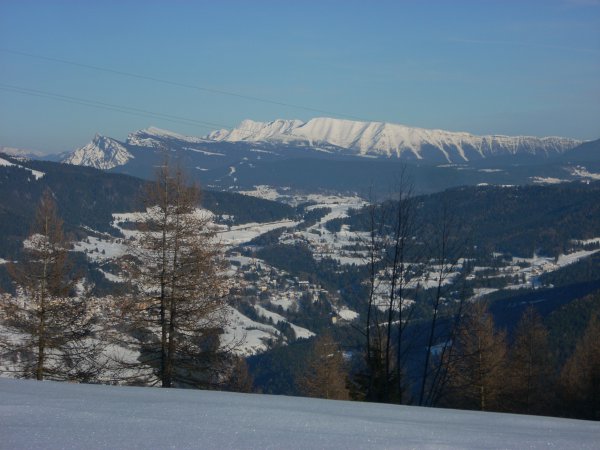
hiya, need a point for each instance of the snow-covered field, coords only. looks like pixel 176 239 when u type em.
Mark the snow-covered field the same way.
pixel 239 234
pixel 49 415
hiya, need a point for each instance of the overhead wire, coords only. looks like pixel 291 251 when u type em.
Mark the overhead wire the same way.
pixel 108 106
pixel 178 84
pixel 120 108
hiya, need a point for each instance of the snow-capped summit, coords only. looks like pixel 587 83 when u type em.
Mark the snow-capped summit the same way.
pixel 388 139
pixel 152 137
pixel 278 130
pixel 102 153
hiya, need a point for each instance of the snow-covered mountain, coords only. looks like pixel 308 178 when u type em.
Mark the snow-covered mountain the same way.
pixel 392 140
pixel 156 138
pixel 345 138
pixel 102 153
pixel 21 153
pixel 341 155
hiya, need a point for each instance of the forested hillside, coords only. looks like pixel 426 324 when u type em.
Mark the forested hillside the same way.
pixel 518 220
pixel 88 197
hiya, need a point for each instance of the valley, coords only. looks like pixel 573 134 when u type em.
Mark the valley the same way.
pixel 271 292
pixel 300 258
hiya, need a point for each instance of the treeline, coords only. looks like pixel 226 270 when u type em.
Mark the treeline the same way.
pixel 523 374
pixel 486 369
pixel 521 220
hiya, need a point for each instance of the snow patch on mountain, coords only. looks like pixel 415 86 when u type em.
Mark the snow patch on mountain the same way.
pixel 388 139
pixel 204 152
pixel 102 153
pixel 5 163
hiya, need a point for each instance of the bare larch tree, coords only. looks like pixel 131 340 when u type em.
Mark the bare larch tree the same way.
pixel 49 325
pixel 177 307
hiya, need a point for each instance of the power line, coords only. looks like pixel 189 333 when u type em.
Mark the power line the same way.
pixel 178 84
pixel 109 106
pixel 120 108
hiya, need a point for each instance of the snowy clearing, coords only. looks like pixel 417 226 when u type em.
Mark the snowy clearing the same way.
pixel 36 173
pixel 49 415
pixel 240 234
pixel 347 314
pixel 588 241
pixel 204 152
pixel 246 336
pixel 301 333
pixel 582 172
pixel 262 191
pixel 547 180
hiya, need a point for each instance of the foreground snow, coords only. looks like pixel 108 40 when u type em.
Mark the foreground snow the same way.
pixel 60 415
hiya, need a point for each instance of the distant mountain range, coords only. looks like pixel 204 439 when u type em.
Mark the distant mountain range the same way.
pixel 326 136
pixel 19 152
pixel 343 156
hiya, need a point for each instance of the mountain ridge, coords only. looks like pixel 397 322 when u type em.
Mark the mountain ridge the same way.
pixel 338 137
pixel 388 139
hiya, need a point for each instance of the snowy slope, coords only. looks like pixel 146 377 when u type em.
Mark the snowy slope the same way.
pixel 102 153
pixel 387 139
pixel 279 130
pixel 49 415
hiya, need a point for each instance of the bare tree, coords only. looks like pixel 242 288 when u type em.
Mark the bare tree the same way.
pixel 374 377
pixel 325 374
pixel 530 368
pixel 177 309
pixel 49 325
pixel 391 225
pixel 580 377
pixel 239 378
pixel 403 227
pixel 477 370
pixel 445 250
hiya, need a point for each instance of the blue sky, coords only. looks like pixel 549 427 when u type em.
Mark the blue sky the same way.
pixel 504 67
